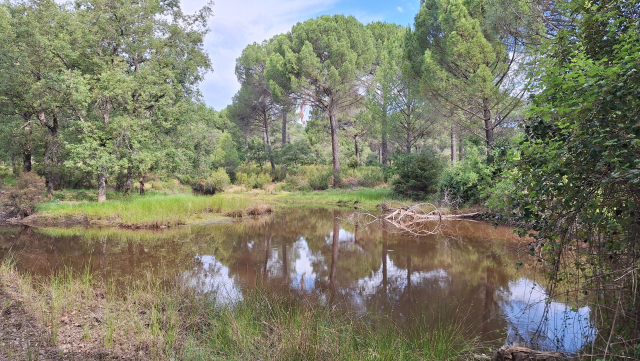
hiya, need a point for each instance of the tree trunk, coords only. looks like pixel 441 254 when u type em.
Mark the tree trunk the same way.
pixel 267 142
pixel 129 183
pixel 408 142
pixel 355 139
pixel 284 137
pixel 488 126
pixel 52 177
pixel 26 149
pixel 335 150
pixel 102 184
pixel 454 146
pixel 384 144
pixel 142 185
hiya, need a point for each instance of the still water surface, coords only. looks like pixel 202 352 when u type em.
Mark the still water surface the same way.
pixel 469 273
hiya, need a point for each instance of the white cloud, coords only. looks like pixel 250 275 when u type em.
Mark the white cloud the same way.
pixel 237 23
pixel 400 9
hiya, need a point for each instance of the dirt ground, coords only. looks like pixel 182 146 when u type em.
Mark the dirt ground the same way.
pixel 22 337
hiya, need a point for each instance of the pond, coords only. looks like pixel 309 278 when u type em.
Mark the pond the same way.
pixel 469 272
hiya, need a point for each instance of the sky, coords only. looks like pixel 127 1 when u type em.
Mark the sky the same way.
pixel 238 23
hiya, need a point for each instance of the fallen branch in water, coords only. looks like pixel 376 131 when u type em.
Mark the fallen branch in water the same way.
pixel 413 219
pixel 416 219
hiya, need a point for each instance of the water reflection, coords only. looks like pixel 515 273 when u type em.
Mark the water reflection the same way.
pixel 547 326
pixel 211 276
pixel 467 273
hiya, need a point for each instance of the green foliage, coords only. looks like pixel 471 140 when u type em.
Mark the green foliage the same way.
pixel 579 168
pixel 463 184
pixel 417 174
pixel 295 153
pixel 217 181
pixel 252 175
pixel 320 181
pixel 353 162
pixel 26 193
pixel 262 180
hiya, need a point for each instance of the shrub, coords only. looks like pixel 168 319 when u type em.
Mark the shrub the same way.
pixel 417 174
pixel 321 180
pixel 353 162
pixel 465 181
pixel 217 181
pixel 262 180
pixel 25 195
pixel 248 180
pixel 372 177
pixel 500 196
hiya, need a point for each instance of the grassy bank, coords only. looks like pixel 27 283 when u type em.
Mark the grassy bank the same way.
pixel 160 210
pixel 148 319
pixel 363 197
pixel 148 211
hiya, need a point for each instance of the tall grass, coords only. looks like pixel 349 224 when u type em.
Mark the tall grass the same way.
pixel 152 319
pixel 365 197
pixel 156 210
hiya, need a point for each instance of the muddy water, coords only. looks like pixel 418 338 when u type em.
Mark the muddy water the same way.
pixel 470 273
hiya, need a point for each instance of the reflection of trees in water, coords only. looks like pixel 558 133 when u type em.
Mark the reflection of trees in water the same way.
pixel 460 273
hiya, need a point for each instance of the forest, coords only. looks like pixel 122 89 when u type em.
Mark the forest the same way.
pixel 527 111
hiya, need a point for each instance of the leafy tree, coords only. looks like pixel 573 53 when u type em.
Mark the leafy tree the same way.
pixel 580 164
pixel 378 104
pixel 141 61
pixel 467 63
pixel 328 59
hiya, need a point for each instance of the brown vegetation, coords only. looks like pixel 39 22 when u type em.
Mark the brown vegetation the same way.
pixel 24 196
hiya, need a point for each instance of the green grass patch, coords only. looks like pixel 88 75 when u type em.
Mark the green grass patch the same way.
pixel 151 210
pixel 365 197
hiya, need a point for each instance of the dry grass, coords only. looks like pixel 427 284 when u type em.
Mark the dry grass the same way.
pixel 259 209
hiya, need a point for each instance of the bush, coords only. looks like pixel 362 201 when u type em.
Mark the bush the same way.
pixel 372 177
pixel 25 195
pixel 465 181
pixel 216 182
pixel 417 174
pixel 353 162
pixel 248 180
pixel 321 180
pixel 262 180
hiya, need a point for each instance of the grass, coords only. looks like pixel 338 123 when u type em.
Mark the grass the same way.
pixel 166 210
pixel 365 197
pixel 151 319
pixel 149 211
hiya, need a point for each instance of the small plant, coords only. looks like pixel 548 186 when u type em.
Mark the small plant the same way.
pixel 25 195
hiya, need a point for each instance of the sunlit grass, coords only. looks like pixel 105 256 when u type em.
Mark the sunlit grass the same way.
pixel 151 210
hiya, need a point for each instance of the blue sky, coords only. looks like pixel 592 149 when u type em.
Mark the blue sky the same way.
pixel 237 23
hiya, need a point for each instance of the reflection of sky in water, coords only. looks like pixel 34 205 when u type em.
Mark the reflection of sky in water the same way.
pixel 343 236
pixel 303 265
pixel 211 276
pixel 560 328
pixel 397 278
